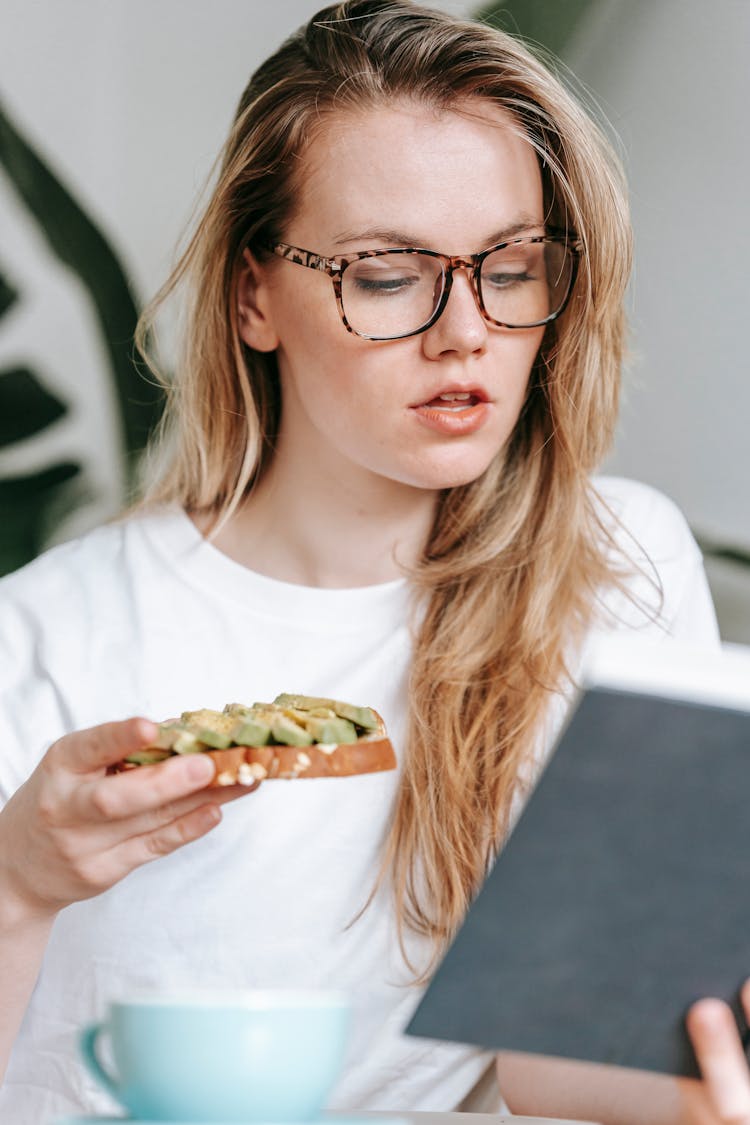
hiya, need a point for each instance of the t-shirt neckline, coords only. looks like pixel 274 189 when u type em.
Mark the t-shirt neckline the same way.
pixel 175 537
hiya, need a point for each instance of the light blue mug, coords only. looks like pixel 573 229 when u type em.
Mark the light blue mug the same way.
pixel 253 1056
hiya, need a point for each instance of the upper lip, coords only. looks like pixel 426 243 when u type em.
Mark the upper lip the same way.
pixel 476 392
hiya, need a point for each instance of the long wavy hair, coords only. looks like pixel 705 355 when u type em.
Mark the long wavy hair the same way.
pixel 516 561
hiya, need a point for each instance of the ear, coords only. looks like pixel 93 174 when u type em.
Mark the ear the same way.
pixel 254 307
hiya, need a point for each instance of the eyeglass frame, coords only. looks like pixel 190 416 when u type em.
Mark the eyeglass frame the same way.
pixel 335 268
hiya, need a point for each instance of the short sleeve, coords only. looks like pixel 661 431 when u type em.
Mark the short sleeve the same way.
pixel 667 593
pixel 33 712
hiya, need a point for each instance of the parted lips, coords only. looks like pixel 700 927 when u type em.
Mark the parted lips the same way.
pixel 295 736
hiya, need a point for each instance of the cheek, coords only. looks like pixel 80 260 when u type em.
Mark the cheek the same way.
pixel 530 346
pixel 517 358
pixel 312 333
pixel 322 366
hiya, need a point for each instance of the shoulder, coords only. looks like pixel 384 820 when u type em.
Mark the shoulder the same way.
pixel 73 558
pixel 643 520
pixel 65 586
pixel 89 557
pixel 67 626
pixel 667 591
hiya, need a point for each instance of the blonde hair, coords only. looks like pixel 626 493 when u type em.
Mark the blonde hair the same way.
pixel 517 559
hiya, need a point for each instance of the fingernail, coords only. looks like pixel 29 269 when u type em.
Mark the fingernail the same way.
pixel 200 768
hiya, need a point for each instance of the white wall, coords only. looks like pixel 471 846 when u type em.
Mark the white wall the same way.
pixel 131 100
pixel 673 78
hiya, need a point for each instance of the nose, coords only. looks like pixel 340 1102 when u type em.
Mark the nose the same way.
pixel 460 328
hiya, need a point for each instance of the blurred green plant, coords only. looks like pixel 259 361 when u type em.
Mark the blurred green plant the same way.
pixel 549 23
pixel 32 504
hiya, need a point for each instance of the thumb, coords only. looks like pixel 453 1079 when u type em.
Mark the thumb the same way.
pixel 90 750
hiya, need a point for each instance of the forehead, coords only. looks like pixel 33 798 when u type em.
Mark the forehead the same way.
pixel 447 178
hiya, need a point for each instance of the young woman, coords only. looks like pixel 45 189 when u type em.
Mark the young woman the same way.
pixel 401 367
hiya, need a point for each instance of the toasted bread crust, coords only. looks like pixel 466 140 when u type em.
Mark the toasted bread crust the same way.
pixel 368 755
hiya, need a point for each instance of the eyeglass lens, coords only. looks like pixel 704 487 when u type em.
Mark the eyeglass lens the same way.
pixel 396 294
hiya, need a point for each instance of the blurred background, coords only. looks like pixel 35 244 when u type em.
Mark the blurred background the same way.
pixel 111 115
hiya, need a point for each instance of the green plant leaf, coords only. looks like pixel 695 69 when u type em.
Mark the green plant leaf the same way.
pixel 8 295
pixel 727 552
pixel 76 240
pixel 550 23
pixel 25 504
pixel 26 407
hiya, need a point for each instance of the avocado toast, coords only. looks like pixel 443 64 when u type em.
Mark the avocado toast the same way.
pixel 296 736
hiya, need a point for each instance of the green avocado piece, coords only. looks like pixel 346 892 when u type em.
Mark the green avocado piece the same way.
pixel 302 702
pixel 288 732
pixel 187 743
pixel 217 740
pixel 332 730
pixel 168 732
pixel 238 710
pixel 363 717
pixel 251 732
pixel 147 757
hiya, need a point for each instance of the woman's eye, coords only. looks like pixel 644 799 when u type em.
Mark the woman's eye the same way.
pixel 507 278
pixel 381 283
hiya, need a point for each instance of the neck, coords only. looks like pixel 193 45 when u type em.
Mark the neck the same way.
pixel 326 529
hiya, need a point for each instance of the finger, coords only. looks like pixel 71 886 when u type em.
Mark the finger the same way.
pixel 152 820
pixel 87 751
pixel 168 838
pixel 745 999
pixel 721 1059
pixel 130 794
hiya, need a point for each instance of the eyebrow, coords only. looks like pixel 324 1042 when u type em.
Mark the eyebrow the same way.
pixel 393 237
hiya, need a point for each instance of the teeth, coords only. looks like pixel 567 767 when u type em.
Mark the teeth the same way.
pixel 455 396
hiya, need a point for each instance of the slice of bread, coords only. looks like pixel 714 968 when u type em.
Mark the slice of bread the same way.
pixel 296 736
pixel 246 765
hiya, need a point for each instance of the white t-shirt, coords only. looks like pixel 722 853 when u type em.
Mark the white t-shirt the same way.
pixel 145 617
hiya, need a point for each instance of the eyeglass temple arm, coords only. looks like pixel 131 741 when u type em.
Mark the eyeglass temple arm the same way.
pixel 305 258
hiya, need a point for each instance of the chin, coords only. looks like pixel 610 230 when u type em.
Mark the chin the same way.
pixel 439 477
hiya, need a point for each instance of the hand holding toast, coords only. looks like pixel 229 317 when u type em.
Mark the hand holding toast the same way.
pixel 72 831
pixel 106 800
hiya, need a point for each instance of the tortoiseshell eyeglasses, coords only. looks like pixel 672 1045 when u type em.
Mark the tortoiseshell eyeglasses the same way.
pixel 390 294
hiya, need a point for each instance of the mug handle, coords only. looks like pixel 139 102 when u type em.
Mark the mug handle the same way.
pixel 87 1044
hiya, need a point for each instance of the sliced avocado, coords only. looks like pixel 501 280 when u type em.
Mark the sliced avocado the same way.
pixel 285 730
pixel 217 740
pixel 251 732
pixel 239 710
pixel 168 732
pixel 363 717
pixel 302 702
pixel 331 730
pixel 147 757
pixel 295 714
pixel 187 743
pixel 214 728
pixel 204 717
pixel 264 713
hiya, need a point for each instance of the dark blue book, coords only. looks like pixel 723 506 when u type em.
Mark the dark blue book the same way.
pixel 623 893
